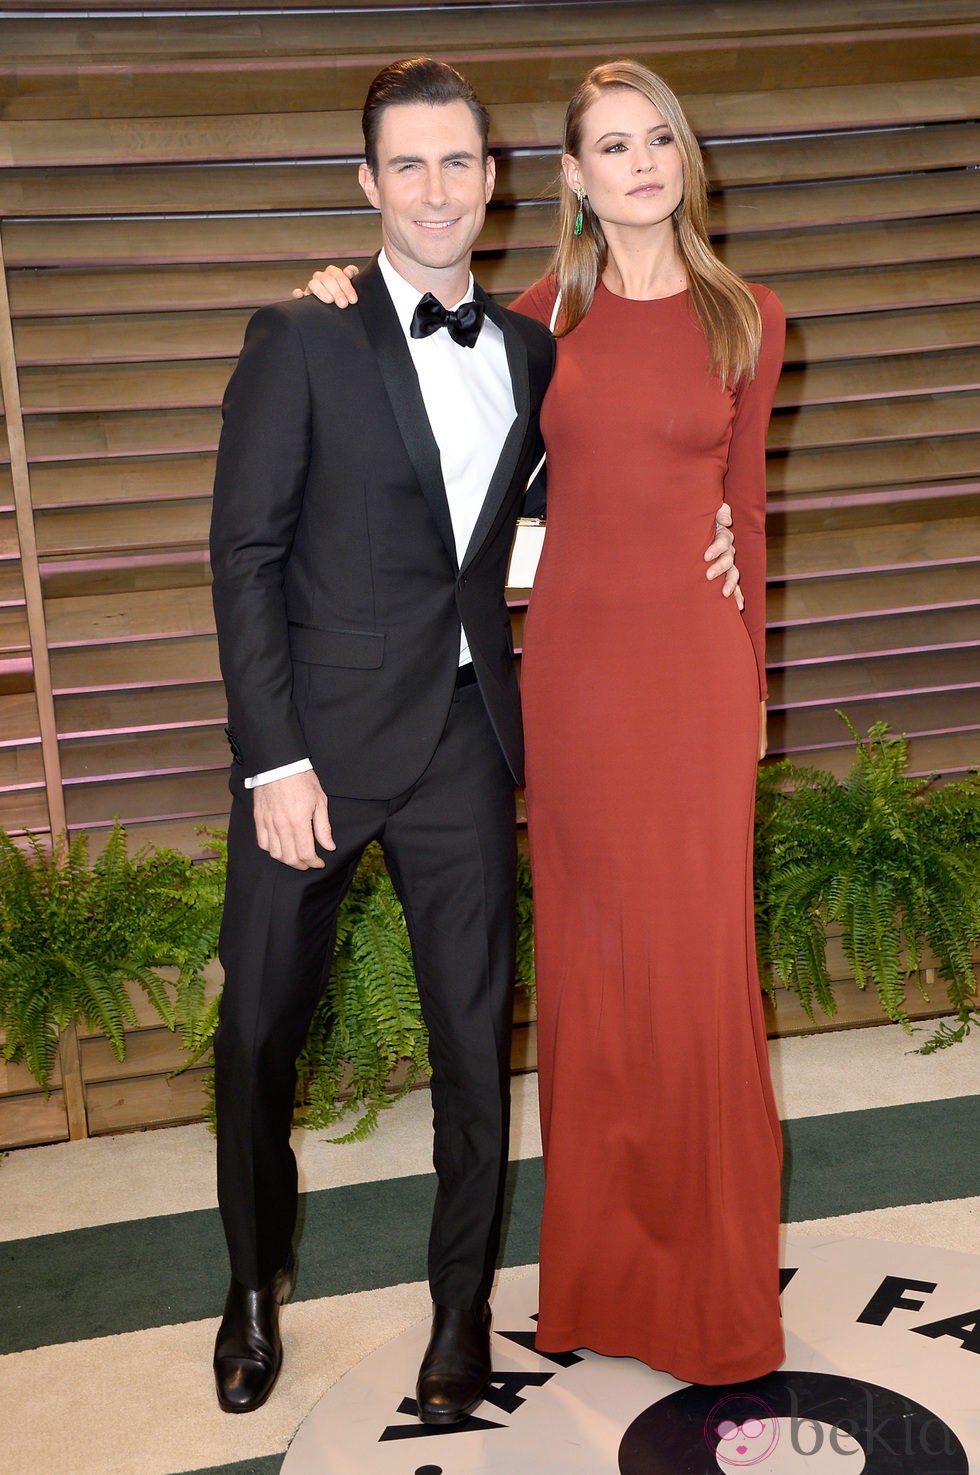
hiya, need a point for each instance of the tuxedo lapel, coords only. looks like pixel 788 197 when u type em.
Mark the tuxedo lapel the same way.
pixel 503 474
pixel 401 382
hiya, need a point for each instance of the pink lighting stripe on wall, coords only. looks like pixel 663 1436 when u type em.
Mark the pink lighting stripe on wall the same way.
pixel 874 696
pixel 871 655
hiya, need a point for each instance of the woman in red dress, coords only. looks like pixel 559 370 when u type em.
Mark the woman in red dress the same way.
pixel 644 717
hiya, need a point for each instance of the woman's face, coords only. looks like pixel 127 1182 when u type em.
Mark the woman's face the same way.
pixel 628 162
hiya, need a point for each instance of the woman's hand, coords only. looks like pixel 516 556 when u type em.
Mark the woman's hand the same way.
pixel 331 285
pixel 763 732
pixel 721 555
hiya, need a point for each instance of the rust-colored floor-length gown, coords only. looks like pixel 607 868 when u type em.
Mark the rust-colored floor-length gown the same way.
pixel 641 687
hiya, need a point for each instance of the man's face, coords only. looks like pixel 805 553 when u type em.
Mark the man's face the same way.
pixel 432 188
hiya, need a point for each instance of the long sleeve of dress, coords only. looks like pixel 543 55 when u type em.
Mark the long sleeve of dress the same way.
pixel 745 479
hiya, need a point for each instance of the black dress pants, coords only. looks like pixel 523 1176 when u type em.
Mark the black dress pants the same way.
pixel 449 843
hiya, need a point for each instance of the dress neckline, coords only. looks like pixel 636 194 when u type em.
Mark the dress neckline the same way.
pixel 640 301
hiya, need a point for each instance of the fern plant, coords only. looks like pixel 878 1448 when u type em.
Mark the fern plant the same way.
pixel 74 935
pixel 892 860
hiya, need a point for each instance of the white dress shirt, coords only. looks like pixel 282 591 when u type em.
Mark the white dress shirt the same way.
pixel 469 401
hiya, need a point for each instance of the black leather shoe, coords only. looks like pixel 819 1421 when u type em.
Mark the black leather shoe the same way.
pixel 247 1350
pixel 456 1366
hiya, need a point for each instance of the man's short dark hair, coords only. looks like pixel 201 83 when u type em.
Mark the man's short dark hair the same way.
pixel 418 79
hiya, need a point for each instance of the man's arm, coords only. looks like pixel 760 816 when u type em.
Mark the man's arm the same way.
pixel 263 459
pixel 260 480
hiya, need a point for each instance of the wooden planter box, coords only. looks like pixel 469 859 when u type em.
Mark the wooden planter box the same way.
pixel 856 1007
pixel 110 1095
pixel 27 1116
pixel 137 1092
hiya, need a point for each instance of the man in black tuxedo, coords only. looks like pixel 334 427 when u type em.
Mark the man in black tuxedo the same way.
pixel 369 474
pixel 368 481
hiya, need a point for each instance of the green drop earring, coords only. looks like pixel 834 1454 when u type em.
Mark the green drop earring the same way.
pixel 577 228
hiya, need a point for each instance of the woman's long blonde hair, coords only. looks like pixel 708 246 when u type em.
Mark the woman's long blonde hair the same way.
pixel 726 309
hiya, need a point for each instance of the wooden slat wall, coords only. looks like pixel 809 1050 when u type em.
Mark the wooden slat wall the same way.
pixel 162 174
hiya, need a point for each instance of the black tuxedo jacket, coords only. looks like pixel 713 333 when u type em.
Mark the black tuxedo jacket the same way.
pixel 337 592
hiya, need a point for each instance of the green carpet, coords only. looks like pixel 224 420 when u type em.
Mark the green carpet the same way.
pixel 270 1465
pixel 154 1272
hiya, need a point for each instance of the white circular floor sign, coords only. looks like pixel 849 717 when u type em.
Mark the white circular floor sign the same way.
pixel 882 1377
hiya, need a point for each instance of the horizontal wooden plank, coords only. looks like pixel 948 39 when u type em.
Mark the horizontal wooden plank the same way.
pixel 148 1052
pixel 313 184
pixel 798 730
pixel 130 338
pixel 147 1017
pixel 150 1101
pixel 953 754
pixel 194 239
pixel 856 1007
pixel 925 423
pixel 676 18
pixel 819 553
pixel 272 191
pixel 109 529
pixel 859 466
pixel 897 376
pixel 766 257
pixel 855 639
pixel 76 389
pixel 816 426
pixel 105 757
pixel 113 573
pixel 836 682
pixel 84 388
pixel 180 834
pixel 282 63
pixel 9 545
pixel 773 207
pixel 876 335
pixel 14 633
pixel 16 678
pixel 18 716
pixel 16 1080
pixel 71 437
pixel 137 479
pixel 876 288
pixel 845 156
pixel 139 709
pixel 875 591
pixel 177 336
pixel 26 1121
pixel 155 797
pixel 21 764
pixel 165 662
pixel 24 809
pixel 231 286
pixel 118 616
pixel 306 184
pixel 781 106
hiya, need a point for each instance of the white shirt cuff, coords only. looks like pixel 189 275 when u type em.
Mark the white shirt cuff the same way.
pixel 302 765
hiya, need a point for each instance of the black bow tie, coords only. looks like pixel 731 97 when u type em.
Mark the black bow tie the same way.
pixel 464 322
